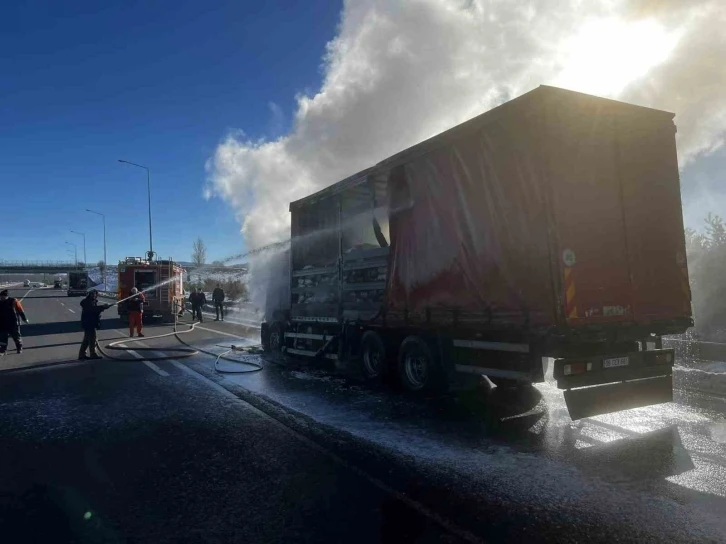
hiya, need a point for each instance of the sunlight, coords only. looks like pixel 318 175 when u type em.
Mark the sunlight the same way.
pixel 607 54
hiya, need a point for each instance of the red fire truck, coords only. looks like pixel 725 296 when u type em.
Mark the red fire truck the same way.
pixel 163 300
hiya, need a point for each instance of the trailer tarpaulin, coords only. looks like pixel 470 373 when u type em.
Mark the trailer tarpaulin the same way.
pixel 469 228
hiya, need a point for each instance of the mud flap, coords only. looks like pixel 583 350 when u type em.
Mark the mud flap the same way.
pixel 613 397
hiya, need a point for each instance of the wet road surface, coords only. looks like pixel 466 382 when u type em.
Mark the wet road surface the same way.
pixel 174 451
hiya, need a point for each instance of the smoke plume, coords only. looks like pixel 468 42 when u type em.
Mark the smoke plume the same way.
pixel 401 71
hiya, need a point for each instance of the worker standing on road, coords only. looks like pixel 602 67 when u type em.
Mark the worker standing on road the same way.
pixel 197 300
pixel 11 312
pixel 135 306
pixel 91 322
pixel 218 299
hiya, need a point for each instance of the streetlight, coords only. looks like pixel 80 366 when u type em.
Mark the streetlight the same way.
pixel 148 189
pixel 75 251
pixel 85 262
pixel 105 262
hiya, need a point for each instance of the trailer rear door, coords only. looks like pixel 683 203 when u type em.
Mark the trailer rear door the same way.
pixel 588 214
pixel 653 217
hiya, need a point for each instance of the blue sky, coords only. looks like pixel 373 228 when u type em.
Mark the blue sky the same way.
pixel 83 84
pixel 157 83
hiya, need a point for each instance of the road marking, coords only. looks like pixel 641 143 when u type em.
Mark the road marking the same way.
pixel 62 304
pixel 151 365
pixel 220 332
pixel 25 295
pixel 415 505
pixel 72 311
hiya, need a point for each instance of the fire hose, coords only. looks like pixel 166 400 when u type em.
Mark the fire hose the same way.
pixel 183 352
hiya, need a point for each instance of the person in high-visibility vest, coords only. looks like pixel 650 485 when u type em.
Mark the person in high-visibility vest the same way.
pixel 135 307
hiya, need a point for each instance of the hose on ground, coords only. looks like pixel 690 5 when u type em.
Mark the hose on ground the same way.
pixel 181 352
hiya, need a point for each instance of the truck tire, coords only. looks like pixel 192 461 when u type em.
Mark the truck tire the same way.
pixel 419 369
pixel 373 358
pixel 276 339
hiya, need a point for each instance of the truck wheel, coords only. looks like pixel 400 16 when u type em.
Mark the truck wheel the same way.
pixel 418 367
pixel 374 363
pixel 276 338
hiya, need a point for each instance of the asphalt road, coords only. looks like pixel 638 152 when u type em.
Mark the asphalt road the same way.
pixel 174 451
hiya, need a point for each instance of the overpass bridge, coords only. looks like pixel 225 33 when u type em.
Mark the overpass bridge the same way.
pixel 38 267
pixel 16 271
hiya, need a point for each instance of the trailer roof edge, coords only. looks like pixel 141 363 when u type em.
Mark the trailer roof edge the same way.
pixel 520 103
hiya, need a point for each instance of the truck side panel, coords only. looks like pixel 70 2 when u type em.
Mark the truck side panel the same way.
pixel 468 230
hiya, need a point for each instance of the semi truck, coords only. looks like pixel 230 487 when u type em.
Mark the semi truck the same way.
pixel 78 283
pixel 164 277
pixel 546 229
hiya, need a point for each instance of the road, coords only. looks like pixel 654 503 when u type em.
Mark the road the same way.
pixel 173 451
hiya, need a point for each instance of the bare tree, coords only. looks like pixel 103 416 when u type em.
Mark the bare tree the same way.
pixel 101 265
pixel 199 252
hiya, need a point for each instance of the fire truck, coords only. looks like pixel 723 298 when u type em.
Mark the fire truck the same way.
pixel 165 278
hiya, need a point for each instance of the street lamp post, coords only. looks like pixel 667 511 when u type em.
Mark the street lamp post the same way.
pixel 75 252
pixel 85 260
pixel 105 262
pixel 148 190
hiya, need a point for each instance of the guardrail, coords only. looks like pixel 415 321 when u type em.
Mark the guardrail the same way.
pixel 694 350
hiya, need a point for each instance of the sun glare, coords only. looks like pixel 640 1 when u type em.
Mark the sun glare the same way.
pixel 607 54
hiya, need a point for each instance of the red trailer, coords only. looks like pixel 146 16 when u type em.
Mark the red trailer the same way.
pixel 550 226
pixel 164 300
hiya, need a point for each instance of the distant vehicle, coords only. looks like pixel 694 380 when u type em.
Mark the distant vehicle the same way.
pixel 57 284
pixel 549 227
pixel 77 283
pixel 37 284
pixel 26 283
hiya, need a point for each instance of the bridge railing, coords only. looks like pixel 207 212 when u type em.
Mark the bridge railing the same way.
pixel 67 264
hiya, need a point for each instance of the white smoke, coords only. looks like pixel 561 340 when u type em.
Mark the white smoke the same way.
pixel 401 71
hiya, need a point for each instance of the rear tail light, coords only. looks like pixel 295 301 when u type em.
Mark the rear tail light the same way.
pixel 664 358
pixel 576 368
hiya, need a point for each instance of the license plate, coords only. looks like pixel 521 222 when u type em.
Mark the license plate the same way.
pixel 615 361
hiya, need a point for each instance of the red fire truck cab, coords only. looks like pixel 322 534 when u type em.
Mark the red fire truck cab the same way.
pixel 160 281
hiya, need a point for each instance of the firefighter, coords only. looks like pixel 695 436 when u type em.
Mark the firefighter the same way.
pixel 11 312
pixel 135 307
pixel 218 299
pixel 91 322
pixel 197 300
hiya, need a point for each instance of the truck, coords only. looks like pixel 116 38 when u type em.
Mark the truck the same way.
pixel 161 282
pixel 548 229
pixel 78 283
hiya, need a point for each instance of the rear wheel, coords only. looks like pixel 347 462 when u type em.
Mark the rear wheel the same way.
pixel 374 363
pixel 418 367
pixel 275 339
